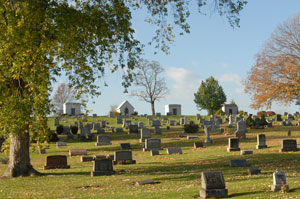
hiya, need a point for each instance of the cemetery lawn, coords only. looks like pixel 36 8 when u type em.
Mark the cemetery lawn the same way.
pixel 177 176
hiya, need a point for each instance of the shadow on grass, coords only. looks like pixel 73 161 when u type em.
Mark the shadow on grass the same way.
pixel 82 173
pixel 244 194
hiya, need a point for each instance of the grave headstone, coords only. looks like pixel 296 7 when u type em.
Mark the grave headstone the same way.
pixel 56 122
pixel 154 152
pixel 140 124
pixel 198 145
pixel 144 182
pixel 145 134
pixel 94 115
pixel 119 130
pixel 74 152
pixel 60 144
pixel 289 133
pixel 213 185
pixel 246 152
pixel 56 162
pixel 261 141
pixel 133 129
pixel 103 140
pixel 190 137
pixel 123 157
pixel 119 120
pixel 233 144
pixel 207 134
pixel 157 130
pixel 238 163
pixel 254 171
pixel 288 145
pixel 279 180
pixel 174 150
pixel 86 158
pixel 102 167
pixel 152 144
pixel 125 146
pixel 111 114
pixel 241 129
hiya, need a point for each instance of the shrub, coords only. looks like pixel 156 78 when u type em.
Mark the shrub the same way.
pixel 60 129
pixel 52 137
pixel 250 122
pixel 191 128
pixel 74 129
pixel 241 112
pixel 261 113
pixel 134 113
pixel 262 121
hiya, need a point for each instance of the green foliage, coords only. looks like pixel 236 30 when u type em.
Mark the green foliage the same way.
pixel 53 137
pixel 210 96
pixel 219 112
pixel 74 129
pixel 59 129
pixel 250 122
pixel 191 128
pixel 241 112
pixel 135 113
pixel 262 121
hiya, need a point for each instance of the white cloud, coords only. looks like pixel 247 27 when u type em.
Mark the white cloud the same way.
pixel 231 78
pixel 184 83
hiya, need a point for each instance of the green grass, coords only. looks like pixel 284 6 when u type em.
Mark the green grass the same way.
pixel 178 175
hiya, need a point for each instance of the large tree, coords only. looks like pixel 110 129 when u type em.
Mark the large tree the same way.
pixel 152 84
pixel 64 93
pixel 41 39
pixel 276 74
pixel 210 96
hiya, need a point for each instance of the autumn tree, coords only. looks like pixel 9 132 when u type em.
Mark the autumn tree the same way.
pixel 276 74
pixel 42 39
pixel 64 93
pixel 210 96
pixel 151 82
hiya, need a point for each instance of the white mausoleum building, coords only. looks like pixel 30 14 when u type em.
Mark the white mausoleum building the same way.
pixel 125 108
pixel 72 108
pixel 230 109
pixel 173 109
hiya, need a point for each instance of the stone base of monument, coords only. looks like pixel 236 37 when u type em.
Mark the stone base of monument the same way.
pixel 57 167
pixel 277 187
pixel 102 143
pixel 144 149
pixel 288 149
pixel 124 162
pixel 102 173
pixel 207 140
pixel 261 146
pixel 240 135
pixel 233 149
pixel 213 193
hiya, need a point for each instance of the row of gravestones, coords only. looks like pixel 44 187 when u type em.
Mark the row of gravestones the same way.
pixel 213 184
pixel 287 145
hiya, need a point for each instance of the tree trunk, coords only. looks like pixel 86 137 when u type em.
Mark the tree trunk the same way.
pixel 152 108
pixel 19 160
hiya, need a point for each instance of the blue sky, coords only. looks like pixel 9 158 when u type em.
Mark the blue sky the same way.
pixel 213 48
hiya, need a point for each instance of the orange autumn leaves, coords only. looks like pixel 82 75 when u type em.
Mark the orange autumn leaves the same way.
pixel 276 74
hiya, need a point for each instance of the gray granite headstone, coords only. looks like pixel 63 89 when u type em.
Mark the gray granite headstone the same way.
pixel 174 150
pixel 261 141
pixel 233 144
pixel 278 181
pixel 288 145
pixel 238 163
pixel 213 185
pixel 103 140
pixel 102 167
